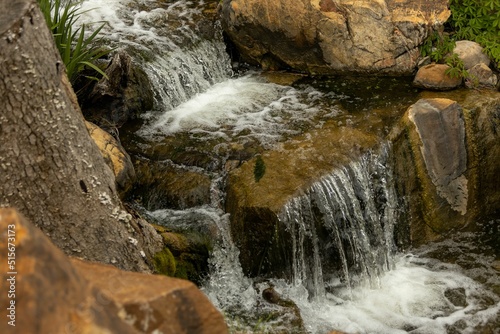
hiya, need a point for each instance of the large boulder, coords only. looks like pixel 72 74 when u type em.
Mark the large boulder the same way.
pixel 471 53
pixel 446 152
pixel 258 190
pixel 51 293
pixel 331 36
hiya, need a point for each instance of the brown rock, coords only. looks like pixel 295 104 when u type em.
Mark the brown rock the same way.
pixel 53 294
pixel 123 95
pixel 434 77
pixel 115 156
pixel 162 185
pixel 329 36
pixel 151 302
pixel 254 206
pixel 481 75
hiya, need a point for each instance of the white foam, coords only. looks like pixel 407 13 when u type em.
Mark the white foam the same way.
pixel 162 38
pixel 245 106
pixel 411 297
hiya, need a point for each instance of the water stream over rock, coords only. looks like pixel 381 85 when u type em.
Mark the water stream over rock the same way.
pixel 344 269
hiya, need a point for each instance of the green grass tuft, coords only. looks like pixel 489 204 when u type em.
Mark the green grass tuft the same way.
pixel 78 52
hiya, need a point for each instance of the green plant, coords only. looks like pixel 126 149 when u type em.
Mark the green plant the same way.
pixel 77 51
pixel 457 67
pixel 479 21
pixel 259 169
pixel 437 46
pixel 475 20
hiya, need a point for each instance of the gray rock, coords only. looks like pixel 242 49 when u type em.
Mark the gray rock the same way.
pixel 481 75
pixel 471 54
pixel 440 125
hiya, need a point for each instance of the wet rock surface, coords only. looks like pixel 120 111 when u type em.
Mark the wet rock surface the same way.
pixel 121 97
pixel 470 199
pixel 440 125
pixel 165 185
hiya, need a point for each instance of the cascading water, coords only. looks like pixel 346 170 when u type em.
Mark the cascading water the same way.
pixel 163 37
pixel 346 272
pixel 356 205
pixel 352 279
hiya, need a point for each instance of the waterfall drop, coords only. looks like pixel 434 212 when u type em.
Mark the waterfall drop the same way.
pixel 346 217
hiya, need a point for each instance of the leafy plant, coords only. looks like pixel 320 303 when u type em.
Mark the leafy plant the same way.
pixel 437 46
pixel 77 51
pixel 475 20
pixel 457 67
pixel 479 21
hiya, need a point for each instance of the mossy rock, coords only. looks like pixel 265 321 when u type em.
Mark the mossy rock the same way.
pixel 160 185
pixel 193 267
pixel 164 263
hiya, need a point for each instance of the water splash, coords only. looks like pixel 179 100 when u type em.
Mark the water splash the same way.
pixel 164 38
pixel 241 108
pixel 354 209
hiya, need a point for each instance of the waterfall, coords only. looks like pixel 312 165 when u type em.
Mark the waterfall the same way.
pixel 345 271
pixel 347 217
pixel 165 39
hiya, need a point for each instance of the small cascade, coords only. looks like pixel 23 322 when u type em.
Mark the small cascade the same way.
pixel 182 52
pixel 342 227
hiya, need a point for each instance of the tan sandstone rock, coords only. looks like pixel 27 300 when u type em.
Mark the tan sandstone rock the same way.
pixel 433 76
pixel 54 294
pixel 115 156
pixel 332 36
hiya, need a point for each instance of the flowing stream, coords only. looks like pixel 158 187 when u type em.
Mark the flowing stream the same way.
pixel 347 272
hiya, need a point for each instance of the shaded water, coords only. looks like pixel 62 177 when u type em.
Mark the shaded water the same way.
pixel 347 273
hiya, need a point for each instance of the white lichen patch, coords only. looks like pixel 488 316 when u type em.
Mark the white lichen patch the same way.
pixel 105 199
pixel 133 241
pixel 121 215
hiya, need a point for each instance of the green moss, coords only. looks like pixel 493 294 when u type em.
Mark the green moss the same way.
pixel 164 262
pixel 185 270
pixel 259 169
